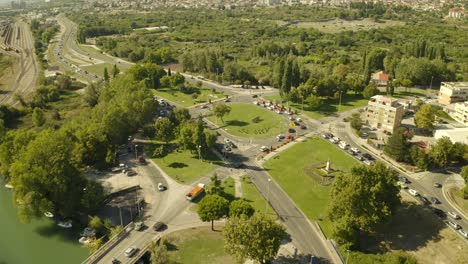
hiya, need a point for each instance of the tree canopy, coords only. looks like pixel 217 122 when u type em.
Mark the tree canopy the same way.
pixel 212 207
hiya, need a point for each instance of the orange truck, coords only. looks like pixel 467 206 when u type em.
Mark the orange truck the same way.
pixel 195 192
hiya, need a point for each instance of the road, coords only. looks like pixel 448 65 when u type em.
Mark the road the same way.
pixel 28 69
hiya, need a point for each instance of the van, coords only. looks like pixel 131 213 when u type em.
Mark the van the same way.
pixel 454 215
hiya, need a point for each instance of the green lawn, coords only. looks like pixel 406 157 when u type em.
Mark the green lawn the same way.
pixel 288 171
pixel 251 195
pixel 198 246
pixel 328 107
pixel 185 166
pixel 239 121
pixel 187 100
pixel 98 69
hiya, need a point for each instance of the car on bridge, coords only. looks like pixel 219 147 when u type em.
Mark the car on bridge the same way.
pixel 130 251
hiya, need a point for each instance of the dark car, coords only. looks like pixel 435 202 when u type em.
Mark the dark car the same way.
pixel 439 213
pixel 437 185
pixel 404 179
pixel 424 200
pixel 303 127
pixel 368 156
pixel 291 130
pixel 435 200
pixel 158 226
pixel 254 96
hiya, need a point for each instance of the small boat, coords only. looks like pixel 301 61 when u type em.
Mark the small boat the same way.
pixel 65 224
pixel 48 214
pixel 84 240
pixel 8 186
pixel 88 232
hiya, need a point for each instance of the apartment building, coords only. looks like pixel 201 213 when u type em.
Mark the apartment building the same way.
pixel 384 113
pixel 460 113
pixel 453 92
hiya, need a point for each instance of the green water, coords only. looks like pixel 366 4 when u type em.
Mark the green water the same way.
pixel 38 242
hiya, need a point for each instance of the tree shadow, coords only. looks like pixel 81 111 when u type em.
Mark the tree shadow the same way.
pixel 177 165
pixel 236 123
pixel 412 227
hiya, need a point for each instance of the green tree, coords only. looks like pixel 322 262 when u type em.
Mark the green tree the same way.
pixel 93 194
pixel 158 252
pixel 115 71
pixel 38 117
pixel 164 129
pixel 215 186
pixel 258 238
pixel 370 90
pixel 350 210
pixel 419 157
pixel 398 145
pixel 92 93
pixel 212 207
pixel 94 244
pixel 96 224
pixel 106 75
pixel 220 110
pixel 240 207
pixel 464 174
pixel 424 118
pixel 64 82
pixel 441 152
pixel 314 102
pixel 356 121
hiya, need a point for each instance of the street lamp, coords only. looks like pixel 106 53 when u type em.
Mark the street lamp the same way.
pixel 268 194
pixel 199 152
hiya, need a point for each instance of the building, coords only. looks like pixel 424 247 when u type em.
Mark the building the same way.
pixel 460 113
pixel 380 78
pixel 453 92
pixel 456 12
pixel 455 135
pixel 384 113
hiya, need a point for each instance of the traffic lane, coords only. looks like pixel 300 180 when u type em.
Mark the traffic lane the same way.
pixel 304 236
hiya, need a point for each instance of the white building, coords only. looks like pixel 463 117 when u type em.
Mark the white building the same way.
pixel 384 113
pixel 460 113
pixel 455 135
pixel 453 92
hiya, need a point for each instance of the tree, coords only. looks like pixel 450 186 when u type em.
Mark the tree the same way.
pixel 398 145
pixel 441 152
pixel 241 207
pixel 220 110
pixel 64 82
pixel 370 90
pixel 314 102
pixel 356 121
pixel 258 238
pixel 96 224
pixel 106 75
pixel 215 186
pixel 92 93
pixel 115 71
pixel 38 117
pixel 94 244
pixel 419 157
pixel 424 118
pixel 350 209
pixel 158 252
pixel 464 174
pixel 212 207
pixel 460 152
pixel 180 115
pixel 164 129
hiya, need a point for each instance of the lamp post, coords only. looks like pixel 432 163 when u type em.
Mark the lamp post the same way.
pixel 268 194
pixel 199 152
pixel 347 256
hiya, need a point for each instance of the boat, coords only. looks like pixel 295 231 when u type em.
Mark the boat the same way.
pixel 8 186
pixel 88 232
pixel 48 214
pixel 65 224
pixel 84 240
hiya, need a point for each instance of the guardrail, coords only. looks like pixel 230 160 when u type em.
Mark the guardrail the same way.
pixel 97 255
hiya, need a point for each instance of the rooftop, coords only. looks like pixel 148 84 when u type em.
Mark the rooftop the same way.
pixel 455 135
pixel 455 85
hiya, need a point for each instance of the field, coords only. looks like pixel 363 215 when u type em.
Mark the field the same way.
pixel 328 107
pixel 187 100
pixel 198 245
pixel 6 71
pixel 98 69
pixel 251 195
pixel 185 166
pixel 288 172
pixel 339 25
pixel 239 122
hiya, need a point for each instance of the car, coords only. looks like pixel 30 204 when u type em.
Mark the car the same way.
pixel 227 148
pixel 435 200
pixel 441 214
pixel 437 185
pixel 115 261
pixel 402 185
pixel 404 179
pixel 355 150
pixel 463 233
pixel 130 251
pixel 131 173
pixel 161 187
pixel 324 136
pixel 280 136
pixel 254 96
pixel 227 140
pixel 264 149
pixel 256 103
pixel 413 192
pixel 303 127
pixel 138 226
pixel 291 118
pixel 453 225
pixel 158 226
pixel 292 130
pixel 368 162
pixel 227 100
pixel 290 136
pixel 116 169
pixel 364 134
pixel 359 157
pixel 231 144
pixel 424 200
pixel 298 119
pixel 454 215
pixel 368 156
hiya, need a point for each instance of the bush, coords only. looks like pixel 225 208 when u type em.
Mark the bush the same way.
pixel 160 151
pixel 256 119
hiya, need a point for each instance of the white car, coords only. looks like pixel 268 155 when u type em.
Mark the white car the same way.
pixel 413 192
pixel 264 148
pixel 454 225
pixel 299 119
pixel 256 103
pixel 463 233
pixel 355 150
pixel 454 215
pixel 130 251
pixel 161 187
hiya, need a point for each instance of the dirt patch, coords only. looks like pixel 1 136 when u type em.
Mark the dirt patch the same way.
pixel 339 25
pixel 415 229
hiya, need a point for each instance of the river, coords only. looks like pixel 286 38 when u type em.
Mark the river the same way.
pixel 38 242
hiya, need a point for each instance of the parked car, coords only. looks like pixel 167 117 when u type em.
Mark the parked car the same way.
pixel 368 156
pixel 435 200
pixel 404 179
pixel 453 225
pixel 158 226
pixel 130 251
pixel 254 96
pixel 161 187
pixel 355 150
pixel 359 157
pixel 264 149
pixel 424 200
pixel 454 215
pixel 291 130
pixel 437 185
pixel 138 226
pixel 280 136
pixel 324 136
pixel 441 214
pixel 463 233
pixel 303 127
pixel 413 192
pixel 131 173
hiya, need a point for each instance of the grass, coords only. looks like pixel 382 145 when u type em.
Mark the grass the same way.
pixel 185 166
pixel 98 69
pixel 251 195
pixel 198 246
pixel 402 92
pixel 187 100
pixel 239 122
pixel 457 197
pixel 288 171
pixel 328 107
